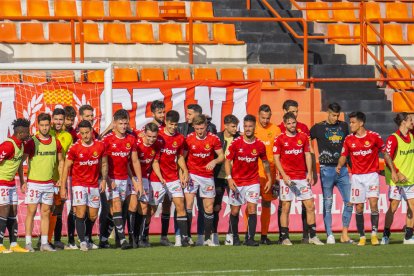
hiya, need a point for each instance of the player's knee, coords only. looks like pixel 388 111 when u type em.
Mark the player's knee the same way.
pixel 93 217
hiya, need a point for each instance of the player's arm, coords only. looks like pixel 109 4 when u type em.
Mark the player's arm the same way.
pixel 391 166
pixel 137 169
pixel 266 167
pixel 279 167
pixel 21 174
pixel 23 185
pixel 343 158
pixel 228 169
pixel 157 170
pixel 61 162
pixel 183 166
pixel 67 165
pixel 220 158
pixel 309 166
pixel 104 173
pixel 107 130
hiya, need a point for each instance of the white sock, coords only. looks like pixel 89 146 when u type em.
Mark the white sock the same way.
pixel 43 239
pixel 13 244
pixel 28 239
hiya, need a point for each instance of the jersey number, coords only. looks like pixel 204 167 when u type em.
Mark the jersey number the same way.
pixel 33 193
pixel 355 192
pixel 4 192
pixel 78 195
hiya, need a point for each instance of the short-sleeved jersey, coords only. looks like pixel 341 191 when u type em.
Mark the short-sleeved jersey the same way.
pixel 363 152
pixel 73 133
pixel 7 153
pixel 267 136
pixel 119 152
pixel 171 146
pixel 391 144
pixel 86 163
pixel 245 155
pixel 29 147
pixel 66 140
pixel 201 152
pixel 292 151
pixel 146 155
pixel 300 127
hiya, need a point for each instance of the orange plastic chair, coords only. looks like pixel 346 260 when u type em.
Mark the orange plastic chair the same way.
pixel 10 8
pixel 32 33
pixel 63 76
pixel 37 8
pixel 396 10
pixel 125 75
pixel 65 8
pixel 410 33
pixel 8 33
pixel 9 77
pixel 205 74
pixel 179 74
pixel 317 15
pixel 34 76
pixel 225 34
pixel 93 8
pixel 399 73
pixel 231 74
pixel 96 76
pixel 393 33
pixel 172 8
pixel 286 74
pixel 343 15
pixel 372 10
pixel 171 33
pixel 90 33
pixel 115 33
pixel 260 74
pixel 152 74
pixel 372 38
pixel 339 30
pixel 147 9
pixel 200 34
pixel 120 8
pixel 202 9
pixel 142 33
pixel 60 32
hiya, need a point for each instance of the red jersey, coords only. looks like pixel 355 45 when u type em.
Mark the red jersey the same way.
pixel 171 146
pixel 363 151
pixel 245 157
pixel 29 147
pixel 79 137
pixel 292 151
pixel 86 159
pixel 119 153
pixel 7 153
pixel 300 127
pixel 146 155
pixel 201 152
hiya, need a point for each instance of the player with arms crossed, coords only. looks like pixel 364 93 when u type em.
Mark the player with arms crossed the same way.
pixel 86 159
pixel 242 174
pixel 363 146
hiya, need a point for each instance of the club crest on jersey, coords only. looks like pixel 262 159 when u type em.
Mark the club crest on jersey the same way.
pixel 95 154
pixel 207 147
pixel 254 152
pixel 300 142
pixel 152 153
pixel 128 145
pixel 175 144
pixel 367 144
pixel 270 134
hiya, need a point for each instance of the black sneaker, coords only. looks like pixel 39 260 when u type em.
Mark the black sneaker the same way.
pixel 125 245
pixel 265 240
pixel 236 241
pixel 251 242
pixel 305 240
pixel 143 244
pixel 104 245
pixel 185 243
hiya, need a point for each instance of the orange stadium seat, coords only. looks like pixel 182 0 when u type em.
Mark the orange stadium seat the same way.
pixel 96 76
pixel 339 30
pixel 260 74
pixel 9 77
pixel 147 9
pixel 8 33
pixel 172 7
pixel 34 76
pixel 372 10
pixel 125 74
pixel 62 76
pixel 32 33
pixel 60 32
pixel 65 8
pixel 200 34
pixel 152 74
pixel 10 8
pixel 372 38
pixel 399 73
pixel 393 33
pixel 179 74
pixel 37 8
pixel 205 74
pixel 317 15
pixel 396 10
pixel 142 33
pixel 120 8
pixel 171 33
pixel 202 9
pixel 93 8
pixel 286 74
pixel 225 34
pixel 410 33
pixel 343 15
pixel 90 33
pixel 115 33
pixel 231 74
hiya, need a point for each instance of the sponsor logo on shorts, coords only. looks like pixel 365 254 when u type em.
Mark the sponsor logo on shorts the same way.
pixel 175 188
pixel 253 195
pixel 362 152
pixel 95 199
pixel 373 188
pixel 209 188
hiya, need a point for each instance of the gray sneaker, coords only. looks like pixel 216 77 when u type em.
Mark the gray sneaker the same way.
pixel 315 240
pixel 84 246
pixel 47 248
pixel 29 247
pixel 92 246
pixel 287 242
pixel 165 242
pixel 59 245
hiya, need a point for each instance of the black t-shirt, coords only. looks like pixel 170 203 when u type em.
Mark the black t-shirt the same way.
pixel 330 139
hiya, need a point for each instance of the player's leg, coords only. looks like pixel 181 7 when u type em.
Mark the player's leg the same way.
pixel 12 227
pixel 142 211
pixel 80 212
pixel 236 200
pixel 131 216
pixel 93 204
pixel 311 221
pixel 208 204
pixel 373 194
pixel 165 220
pixel 305 232
pixel 57 227
pixel 45 210
pixel 408 238
pixel 344 187
pixel 251 195
pixel 4 213
pixel 105 222
pixel 30 214
pixel 175 192
pixel 189 204
pixel 284 222
pixel 200 220
pixel 394 195
pixel 359 218
pixel 218 200
pixel 328 175
pixel 266 208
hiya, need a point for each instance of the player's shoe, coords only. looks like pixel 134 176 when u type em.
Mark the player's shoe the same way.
pixel 210 242
pixel 265 240
pixel 47 248
pixel 59 245
pixel 4 250
pixel 143 244
pixel 229 239
pixel 104 245
pixel 236 241
pixel 185 243
pixel 305 240
pixel 216 239
pixel 29 247
pixel 316 241
pixel 165 242
pixel 251 242
pixel 190 241
pixel 92 246
pixel 374 240
pixel 18 249
pixel 286 242
pixel 200 240
pixel 84 246
pixel 385 240
pixel 71 246
pixel 362 241
pixel 330 239
pixel 125 245
pixel 409 241
pixel 177 241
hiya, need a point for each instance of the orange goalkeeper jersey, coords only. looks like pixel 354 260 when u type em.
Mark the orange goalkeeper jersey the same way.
pixel 267 136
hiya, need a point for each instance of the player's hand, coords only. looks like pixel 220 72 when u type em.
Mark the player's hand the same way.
pixel 102 186
pixel 286 179
pixel 268 186
pixel 57 183
pixel 139 188
pixel 211 165
pixel 232 185
pixel 184 177
pixel 63 194
pixel 23 187
pixel 401 178
pixel 113 184
pixel 309 178
pixel 394 177
pixel 163 182
pixel 338 169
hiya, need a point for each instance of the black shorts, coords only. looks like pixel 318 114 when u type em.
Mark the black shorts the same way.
pixel 221 187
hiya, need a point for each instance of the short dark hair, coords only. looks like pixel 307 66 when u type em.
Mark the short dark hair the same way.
pixel 289 103
pixel 265 108
pixel 85 107
pixel 85 123
pixel 172 116
pixel 70 112
pixel 199 120
pixel 197 108
pixel 231 119
pixel 20 122
pixel 360 116
pixel 249 118
pixel 58 111
pixel 287 116
pixel 157 105
pixel 400 117
pixel 121 114
pixel 43 117
pixel 151 127
pixel 334 107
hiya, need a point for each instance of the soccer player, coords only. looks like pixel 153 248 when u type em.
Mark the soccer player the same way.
pixel 87 159
pixel 86 114
pixel 363 147
pixel 10 162
pixel 330 135
pixel 43 150
pixel 226 138
pixel 121 149
pixel 158 113
pixel 399 174
pixel 65 139
pixel 242 174
pixel 70 116
pixel 165 179
pixel 266 132
pixel 201 147
pixel 294 163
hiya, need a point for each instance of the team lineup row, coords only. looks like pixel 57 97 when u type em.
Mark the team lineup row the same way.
pixel 127 173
